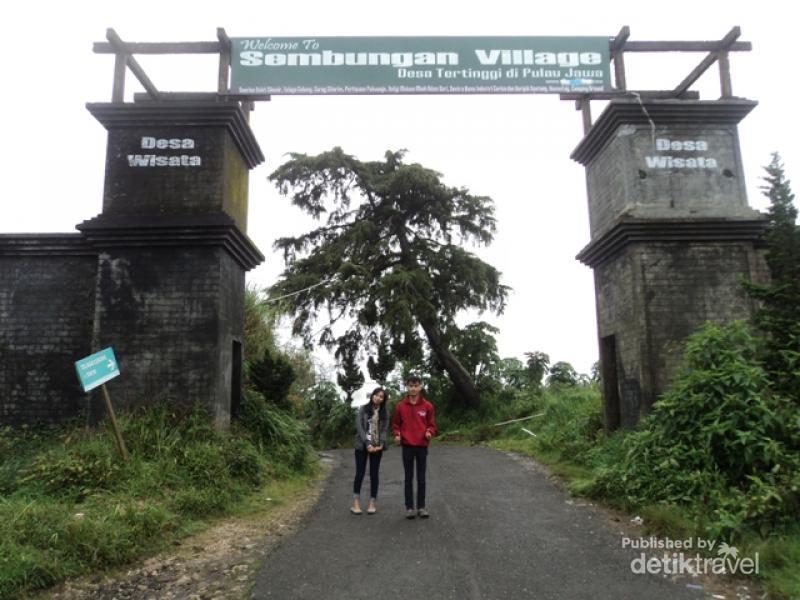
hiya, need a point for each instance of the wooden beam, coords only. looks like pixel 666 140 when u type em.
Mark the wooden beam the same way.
pixel 585 106
pixel 726 89
pixel 684 47
pixel 161 47
pixel 618 53
pixel 134 66
pixel 710 59
pixel 224 60
pixel 645 94
pixel 118 90
pixel 202 97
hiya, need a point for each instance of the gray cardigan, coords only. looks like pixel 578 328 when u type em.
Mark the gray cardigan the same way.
pixel 362 428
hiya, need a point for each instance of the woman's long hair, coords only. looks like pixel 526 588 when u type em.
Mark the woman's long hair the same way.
pixel 370 407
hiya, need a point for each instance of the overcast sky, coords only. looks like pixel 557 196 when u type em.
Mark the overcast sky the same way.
pixel 513 148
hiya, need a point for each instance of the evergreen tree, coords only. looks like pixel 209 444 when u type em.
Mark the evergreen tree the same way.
pixel 272 376
pixel 389 258
pixel 350 379
pixel 779 315
pixel 381 367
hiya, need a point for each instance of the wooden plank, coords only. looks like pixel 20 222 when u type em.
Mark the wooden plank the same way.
pixel 118 90
pixel 645 94
pixel 726 89
pixel 618 55
pixel 134 66
pixel 684 47
pixel 586 112
pixel 161 47
pixel 224 60
pixel 202 97
pixel 214 47
pixel 709 60
pixel 618 43
pixel 248 97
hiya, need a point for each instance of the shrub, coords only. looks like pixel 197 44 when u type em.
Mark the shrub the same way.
pixel 331 420
pixel 77 471
pixel 244 462
pixel 716 444
pixel 280 436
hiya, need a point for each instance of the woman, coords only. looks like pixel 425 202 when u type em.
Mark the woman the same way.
pixel 372 422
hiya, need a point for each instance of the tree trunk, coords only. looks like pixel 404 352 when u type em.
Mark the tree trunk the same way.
pixel 458 374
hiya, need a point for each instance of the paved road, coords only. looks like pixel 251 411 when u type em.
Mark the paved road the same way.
pixel 498 529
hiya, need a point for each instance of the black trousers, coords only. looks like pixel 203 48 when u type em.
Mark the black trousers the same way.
pixel 412 454
pixel 362 456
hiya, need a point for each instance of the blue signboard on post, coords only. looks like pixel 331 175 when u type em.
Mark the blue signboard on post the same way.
pixel 96 369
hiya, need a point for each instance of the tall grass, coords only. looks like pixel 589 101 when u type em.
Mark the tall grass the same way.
pixel 69 506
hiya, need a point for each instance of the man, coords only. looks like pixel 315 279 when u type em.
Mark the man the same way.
pixel 414 424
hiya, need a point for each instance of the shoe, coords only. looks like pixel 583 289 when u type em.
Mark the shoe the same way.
pixel 422 513
pixel 372 510
pixel 410 514
pixel 354 511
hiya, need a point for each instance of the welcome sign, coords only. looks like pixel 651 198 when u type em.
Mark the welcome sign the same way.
pixel 419 65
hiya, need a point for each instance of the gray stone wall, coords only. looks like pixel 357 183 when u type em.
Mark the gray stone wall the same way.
pixel 672 238
pixel 653 296
pixel 231 326
pixel 685 285
pixel 635 176
pixel 158 276
pixel 158 308
pixel 46 303
pixel 619 290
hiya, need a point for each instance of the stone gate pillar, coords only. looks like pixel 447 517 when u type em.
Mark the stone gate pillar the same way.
pixel 173 251
pixel 672 236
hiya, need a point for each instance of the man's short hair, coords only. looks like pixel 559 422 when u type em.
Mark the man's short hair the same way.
pixel 413 379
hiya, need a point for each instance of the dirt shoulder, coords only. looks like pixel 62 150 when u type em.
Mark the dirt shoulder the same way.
pixel 219 563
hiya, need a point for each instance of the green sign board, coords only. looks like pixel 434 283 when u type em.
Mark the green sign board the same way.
pixel 419 65
pixel 96 369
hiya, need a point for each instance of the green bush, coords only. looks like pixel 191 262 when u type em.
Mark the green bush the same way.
pixel 70 505
pixel 244 461
pixel 163 429
pixel 202 462
pixel 77 471
pixel 332 421
pixel 282 438
pixel 717 444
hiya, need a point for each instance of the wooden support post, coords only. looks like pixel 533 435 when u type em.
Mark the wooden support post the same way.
pixel 134 66
pixel 224 60
pixel 726 89
pixel 724 46
pixel 120 64
pixel 618 54
pixel 113 418
pixel 584 104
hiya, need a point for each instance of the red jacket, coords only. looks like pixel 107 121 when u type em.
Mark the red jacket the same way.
pixel 412 421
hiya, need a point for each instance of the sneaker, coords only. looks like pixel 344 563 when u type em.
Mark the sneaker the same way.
pixel 423 514
pixel 410 514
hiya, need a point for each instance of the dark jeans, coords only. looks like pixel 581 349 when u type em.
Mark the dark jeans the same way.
pixel 420 455
pixel 361 468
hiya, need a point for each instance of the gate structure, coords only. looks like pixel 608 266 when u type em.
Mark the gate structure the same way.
pixel 159 274
pixel 672 235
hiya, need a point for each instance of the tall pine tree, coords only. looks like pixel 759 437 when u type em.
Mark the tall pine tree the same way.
pixel 389 258
pixel 779 315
